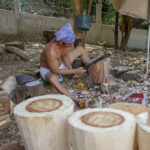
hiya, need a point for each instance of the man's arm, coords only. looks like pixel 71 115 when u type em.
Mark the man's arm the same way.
pixel 66 60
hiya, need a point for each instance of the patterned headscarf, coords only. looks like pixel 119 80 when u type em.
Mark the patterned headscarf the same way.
pixel 65 34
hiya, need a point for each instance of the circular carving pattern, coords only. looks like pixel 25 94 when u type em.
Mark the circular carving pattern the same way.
pixel 102 119
pixel 44 105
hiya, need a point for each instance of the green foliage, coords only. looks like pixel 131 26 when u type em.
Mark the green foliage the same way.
pixel 108 12
pixel 7 4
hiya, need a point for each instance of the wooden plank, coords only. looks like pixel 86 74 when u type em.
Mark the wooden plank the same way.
pixel 17 44
pixel 17 13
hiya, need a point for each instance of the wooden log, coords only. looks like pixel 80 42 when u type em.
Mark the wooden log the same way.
pixel 3 94
pixel 24 92
pixel 17 44
pixel 42 122
pixel 12 147
pixel 9 85
pixel 8 57
pixel 148 119
pixel 4 122
pixel 133 108
pixel 5 110
pixel 109 88
pixel 2 51
pixel 143 131
pixel 100 71
pixel 18 52
pixel 105 129
pixel 2 46
pixel 4 107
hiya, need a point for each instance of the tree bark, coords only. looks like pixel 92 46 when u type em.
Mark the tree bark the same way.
pixel 116 30
pixel 100 71
pixel 77 10
pixel 24 92
pixel 125 28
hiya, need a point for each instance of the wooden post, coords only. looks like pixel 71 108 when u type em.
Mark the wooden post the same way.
pixel 98 21
pixel 148 41
pixel 77 10
pixel 17 14
pixel 116 30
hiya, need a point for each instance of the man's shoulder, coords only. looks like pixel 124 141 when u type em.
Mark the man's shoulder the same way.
pixel 51 49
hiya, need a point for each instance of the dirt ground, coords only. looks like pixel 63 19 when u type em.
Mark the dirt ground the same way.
pixel 98 96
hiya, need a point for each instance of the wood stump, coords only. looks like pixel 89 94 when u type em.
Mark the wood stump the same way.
pixel 133 108
pixel 143 131
pixel 42 122
pixel 105 129
pixel 100 71
pixel 24 92
pixel 5 110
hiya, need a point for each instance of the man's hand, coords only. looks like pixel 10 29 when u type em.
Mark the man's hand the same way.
pixel 79 71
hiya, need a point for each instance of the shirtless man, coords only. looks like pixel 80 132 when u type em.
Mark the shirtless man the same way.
pixel 57 60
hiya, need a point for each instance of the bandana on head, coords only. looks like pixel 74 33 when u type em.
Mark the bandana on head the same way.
pixel 65 34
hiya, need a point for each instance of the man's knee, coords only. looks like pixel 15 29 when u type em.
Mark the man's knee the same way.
pixel 52 78
pixel 80 49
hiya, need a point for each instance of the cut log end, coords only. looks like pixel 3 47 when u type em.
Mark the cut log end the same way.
pixel 44 105
pixel 95 128
pixel 102 119
pixel 133 108
pixel 44 119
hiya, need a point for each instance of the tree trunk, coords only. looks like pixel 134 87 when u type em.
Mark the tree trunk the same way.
pixel 116 30
pixel 105 129
pixel 42 122
pixel 77 10
pixel 125 28
pixel 89 9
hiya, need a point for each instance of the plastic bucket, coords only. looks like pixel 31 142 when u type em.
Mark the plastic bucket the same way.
pixel 84 22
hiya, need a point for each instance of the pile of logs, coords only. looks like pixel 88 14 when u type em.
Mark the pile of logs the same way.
pixel 7 92
pixel 13 51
